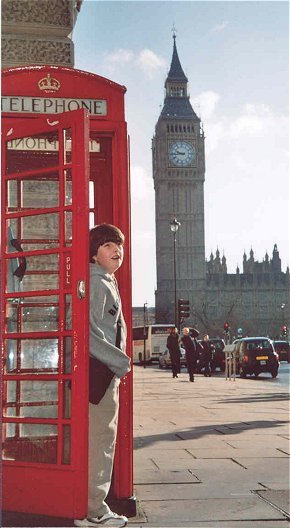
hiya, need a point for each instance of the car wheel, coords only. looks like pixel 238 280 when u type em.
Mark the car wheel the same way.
pixel 242 373
pixel 256 374
pixel 274 373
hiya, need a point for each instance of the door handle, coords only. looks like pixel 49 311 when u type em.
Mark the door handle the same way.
pixel 81 289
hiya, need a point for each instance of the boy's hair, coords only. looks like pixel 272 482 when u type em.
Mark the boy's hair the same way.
pixel 102 233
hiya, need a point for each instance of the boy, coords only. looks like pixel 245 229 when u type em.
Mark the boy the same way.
pixel 107 344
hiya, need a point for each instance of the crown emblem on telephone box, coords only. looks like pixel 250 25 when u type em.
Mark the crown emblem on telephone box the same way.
pixel 48 84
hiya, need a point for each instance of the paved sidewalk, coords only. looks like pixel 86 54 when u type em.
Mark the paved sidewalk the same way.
pixel 212 453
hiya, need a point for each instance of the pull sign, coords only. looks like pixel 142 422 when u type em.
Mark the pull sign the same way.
pixel 67 269
pixel 81 289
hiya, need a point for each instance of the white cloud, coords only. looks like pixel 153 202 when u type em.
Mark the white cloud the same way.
pixel 146 60
pixel 149 62
pixel 206 103
pixel 141 184
pixel 252 121
pixel 220 27
pixel 247 182
pixel 120 56
pixel 255 121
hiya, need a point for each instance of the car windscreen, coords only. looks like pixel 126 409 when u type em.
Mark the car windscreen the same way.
pixel 218 345
pixel 259 345
pixel 281 346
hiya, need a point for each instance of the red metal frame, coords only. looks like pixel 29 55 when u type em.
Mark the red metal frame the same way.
pixel 112 204
pixel 56 484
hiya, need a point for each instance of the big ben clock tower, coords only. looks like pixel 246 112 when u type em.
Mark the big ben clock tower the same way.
pixel 178 173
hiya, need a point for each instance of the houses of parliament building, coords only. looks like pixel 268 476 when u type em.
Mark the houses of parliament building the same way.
pixel 254 300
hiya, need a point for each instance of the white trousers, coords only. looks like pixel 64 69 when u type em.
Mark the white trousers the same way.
pixel 103 424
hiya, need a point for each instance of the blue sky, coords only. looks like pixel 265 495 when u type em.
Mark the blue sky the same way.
pixel 235 55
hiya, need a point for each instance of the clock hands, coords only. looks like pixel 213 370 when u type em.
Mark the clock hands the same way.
pixel 181 153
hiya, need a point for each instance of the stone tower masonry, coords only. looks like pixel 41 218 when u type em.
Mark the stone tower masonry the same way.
pixel 178 173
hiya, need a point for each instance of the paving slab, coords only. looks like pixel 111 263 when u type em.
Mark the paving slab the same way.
pixel 157 476
pixel 216 524
pixel 258 441
pixel 209 468
pixel 196 490
pixel 237 453
pixel 179 512
pixel 232 438
pixel 279 498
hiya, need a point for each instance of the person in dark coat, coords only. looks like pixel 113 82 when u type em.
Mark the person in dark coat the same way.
pixel 191 353
pixel 207 353
pixel 174 351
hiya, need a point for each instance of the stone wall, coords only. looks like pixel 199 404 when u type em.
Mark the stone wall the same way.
pixel 38 32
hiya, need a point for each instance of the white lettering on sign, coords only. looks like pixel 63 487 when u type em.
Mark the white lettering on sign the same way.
pixel 43 144
pixel 54 105
pixel 68 270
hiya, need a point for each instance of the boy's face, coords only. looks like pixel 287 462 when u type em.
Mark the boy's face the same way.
pixel 110 256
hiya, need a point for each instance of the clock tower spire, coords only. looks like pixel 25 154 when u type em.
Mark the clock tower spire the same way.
pixel 176 102
pixel 178 173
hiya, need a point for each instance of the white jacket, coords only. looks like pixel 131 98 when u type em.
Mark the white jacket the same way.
pixel 105 312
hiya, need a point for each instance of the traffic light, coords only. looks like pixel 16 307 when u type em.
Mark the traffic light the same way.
pixel 183 309
pixel 226 328
pixel 284 330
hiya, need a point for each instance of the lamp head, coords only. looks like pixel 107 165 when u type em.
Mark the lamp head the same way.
pixel 174 225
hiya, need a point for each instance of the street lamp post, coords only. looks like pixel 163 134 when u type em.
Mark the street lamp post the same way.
pixel 174 225
pixel 144 334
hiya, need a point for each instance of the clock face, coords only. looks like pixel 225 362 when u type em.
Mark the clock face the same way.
pixel 181 153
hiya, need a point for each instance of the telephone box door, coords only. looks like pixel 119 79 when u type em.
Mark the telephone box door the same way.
pixel 44 314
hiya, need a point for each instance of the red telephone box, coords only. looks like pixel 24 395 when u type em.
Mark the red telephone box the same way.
pixel 64 169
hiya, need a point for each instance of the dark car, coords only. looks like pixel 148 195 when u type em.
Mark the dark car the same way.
pixel 218 357
pixel 283 350
pixel 255 355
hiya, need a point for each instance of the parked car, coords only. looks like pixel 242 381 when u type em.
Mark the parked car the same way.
pixel 255 355
pixel 283 350
pixel 218 356
pixel 165 361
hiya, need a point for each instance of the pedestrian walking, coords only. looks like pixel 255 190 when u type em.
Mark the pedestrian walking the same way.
pixel 191 352
pixel 207 354
pixel 174 351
